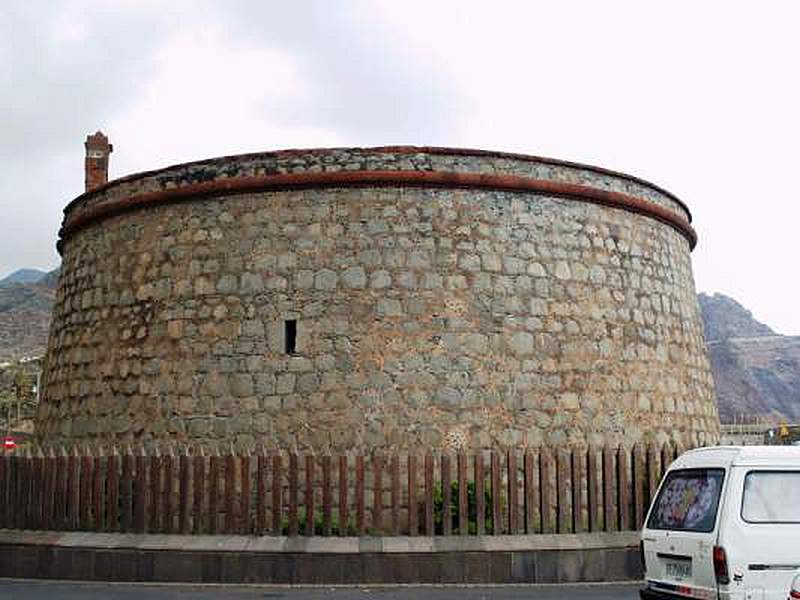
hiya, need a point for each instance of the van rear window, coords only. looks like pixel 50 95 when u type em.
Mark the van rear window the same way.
pixel 771 497
pixel 688 500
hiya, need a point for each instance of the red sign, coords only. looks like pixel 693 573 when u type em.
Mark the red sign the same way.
pixel 9 443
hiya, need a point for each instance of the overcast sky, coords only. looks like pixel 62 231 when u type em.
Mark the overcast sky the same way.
pixel 699 97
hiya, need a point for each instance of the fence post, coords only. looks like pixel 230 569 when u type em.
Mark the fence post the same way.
pixel 463 497
pixel 513 491
pixel 579 490
pixel 245 523
pixel 23 490
pixel 564 491
pixel 39 485
pixel 411 467
pixel 609 490
pixel 494 477
pixel 140 493
pixel 85 489
pixel 213 490
pixel 73 490
pixel 327 495
pixel 7 494
pixel 624 483
pixel 155 490
pixel 12 467
pixel 377 493
pixel 126 490
pixel 18 495
pixel 33 491
pixel 199 483
pixel 596 506
pixel 168 491
pixel 343 495
pixel 30 490
pixel 3 490
pixel 548 490
pixel 111 498
pixel 395 494
pixel 653 472
pixel 447 515
pixel 27 489
pixel 261 491
pixel 11 506
pixel 277 495
pixel 308 501
pixel 429 494
pixel 667 456
pixel 360 525
pixel 30 500
pixel 59 490
pixel 112 490
pixel 639 482
pixel 293 494
pixel 19 503
pixel 533 520
pixel 50 483
pixel 99 477
pixel 231 505
pixel 480 495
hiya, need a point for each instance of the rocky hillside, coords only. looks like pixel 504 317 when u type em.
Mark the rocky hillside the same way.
pixel 23 276
pixel 756 371
pixel 25 313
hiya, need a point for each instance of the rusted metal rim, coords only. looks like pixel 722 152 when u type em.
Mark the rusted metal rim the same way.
pixel 78 219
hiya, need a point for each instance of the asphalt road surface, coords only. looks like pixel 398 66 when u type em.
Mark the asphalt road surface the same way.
pixel 61 590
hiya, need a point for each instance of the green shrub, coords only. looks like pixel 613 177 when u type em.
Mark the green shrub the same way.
pixel 472 509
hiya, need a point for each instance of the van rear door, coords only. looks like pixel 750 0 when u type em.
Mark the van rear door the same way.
pixel 762 531
pixel 680 533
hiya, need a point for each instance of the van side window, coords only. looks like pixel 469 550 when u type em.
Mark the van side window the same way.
pixel 688 500
pixel 771 497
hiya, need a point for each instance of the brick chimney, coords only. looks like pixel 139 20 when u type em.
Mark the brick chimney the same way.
pixel 97 151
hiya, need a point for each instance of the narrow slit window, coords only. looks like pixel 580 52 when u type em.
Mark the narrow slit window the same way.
pixel 290 335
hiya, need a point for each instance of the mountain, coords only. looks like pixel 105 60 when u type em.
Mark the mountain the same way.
pixel 23 276
pixel 50 279
pixel 25 308
pixel 756 371
pixel 724 318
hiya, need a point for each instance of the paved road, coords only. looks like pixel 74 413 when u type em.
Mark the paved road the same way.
pixel 44 590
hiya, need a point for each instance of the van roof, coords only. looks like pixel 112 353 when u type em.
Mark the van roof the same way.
pixel 724 456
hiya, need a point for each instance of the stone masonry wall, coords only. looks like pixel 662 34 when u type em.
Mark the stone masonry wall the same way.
pixel 426 317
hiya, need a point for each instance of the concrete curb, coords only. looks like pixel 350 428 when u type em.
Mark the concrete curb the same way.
pixel 324 545
pixel 280 560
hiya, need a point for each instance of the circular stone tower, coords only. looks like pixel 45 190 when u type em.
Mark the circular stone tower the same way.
pixel 393 297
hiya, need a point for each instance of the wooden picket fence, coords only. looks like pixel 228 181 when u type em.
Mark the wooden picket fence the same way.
pixel 520 491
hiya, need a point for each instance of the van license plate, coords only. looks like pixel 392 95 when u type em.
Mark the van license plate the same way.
pixel 679 570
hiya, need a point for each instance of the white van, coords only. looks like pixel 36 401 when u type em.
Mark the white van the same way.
pixel 725 524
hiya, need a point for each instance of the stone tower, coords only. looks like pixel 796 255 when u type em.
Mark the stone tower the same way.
pixel 97 152
pixel 350 299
